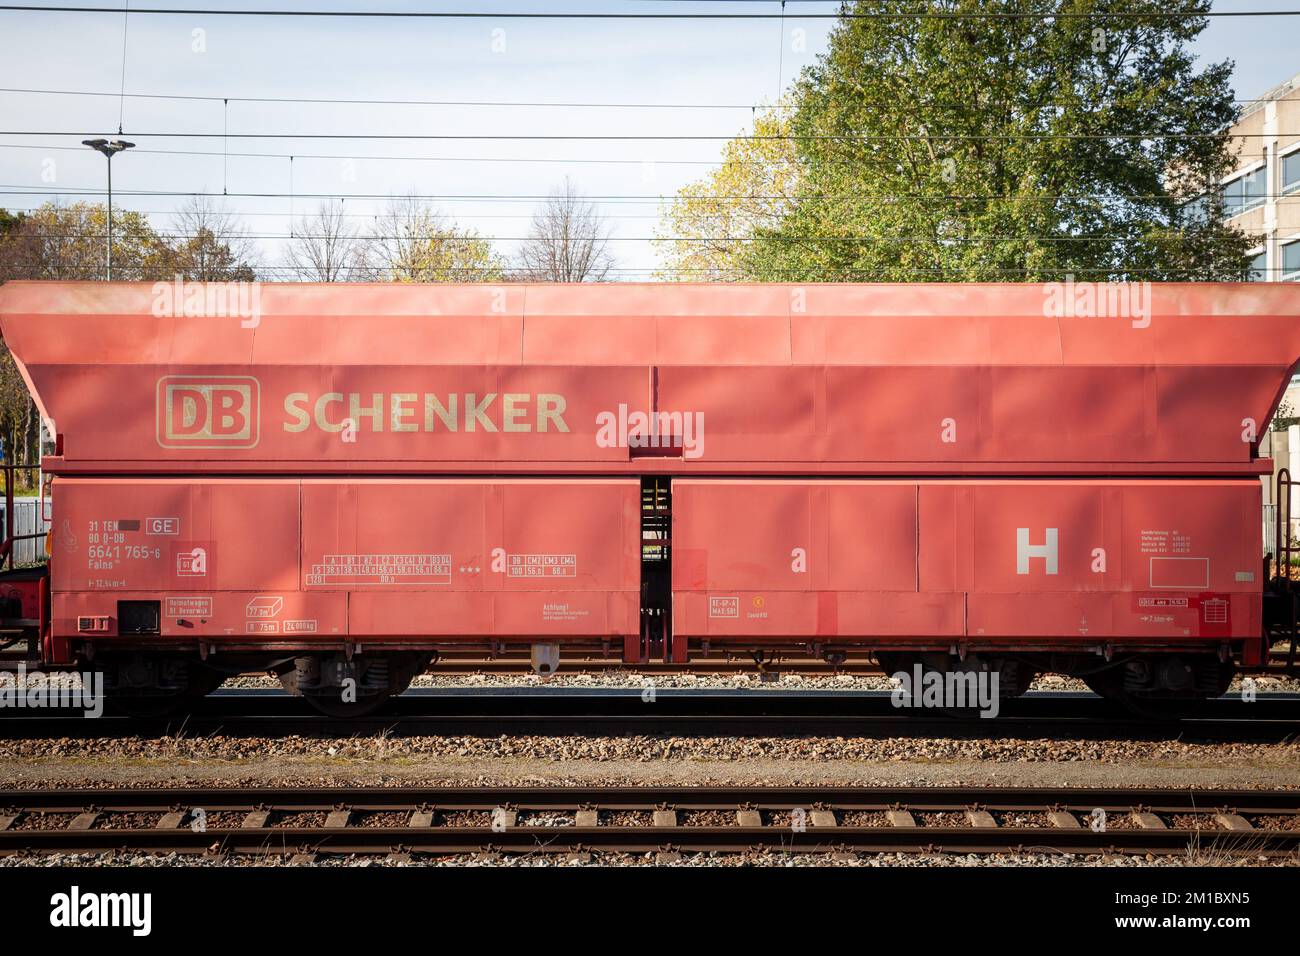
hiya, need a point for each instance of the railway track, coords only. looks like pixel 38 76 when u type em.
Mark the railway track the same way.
pixel 678 712
pixel 401 823
pixel 466 663
pixel 857 664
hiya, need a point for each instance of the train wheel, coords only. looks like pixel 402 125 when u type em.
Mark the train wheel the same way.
pixel 333 705
pixel 1163 686
pixel 350 687
pixel 1012 679
pixel 147 687
pixel 1108 684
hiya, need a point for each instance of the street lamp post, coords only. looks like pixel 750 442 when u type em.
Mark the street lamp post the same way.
pixel 109 150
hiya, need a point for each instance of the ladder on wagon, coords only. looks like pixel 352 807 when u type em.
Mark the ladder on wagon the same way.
pixel 1285 549
pixel 656 640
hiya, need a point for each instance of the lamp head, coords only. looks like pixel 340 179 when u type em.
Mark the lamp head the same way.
pixel 107 148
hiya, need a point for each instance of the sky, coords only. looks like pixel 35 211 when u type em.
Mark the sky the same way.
pixel 688 78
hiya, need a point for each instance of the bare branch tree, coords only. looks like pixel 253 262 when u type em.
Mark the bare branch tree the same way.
pixel 567 241
pixel 324 248
pixel 210 244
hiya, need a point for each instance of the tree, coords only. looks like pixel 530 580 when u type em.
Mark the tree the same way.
pixel 9 221
pixel 18 417
pixel 324 248
pixel 414 243
pixel 209 245
pixel 67 242
pixel 703 231
pixel 567 241
pixel 1024 148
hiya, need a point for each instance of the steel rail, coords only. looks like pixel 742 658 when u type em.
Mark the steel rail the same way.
pixel 1142 820
pixel 465 663
pixel 589 712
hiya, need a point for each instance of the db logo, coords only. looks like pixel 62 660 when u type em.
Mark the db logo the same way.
pixel 207 411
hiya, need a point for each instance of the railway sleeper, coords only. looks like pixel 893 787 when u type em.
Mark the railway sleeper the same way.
pixel 972 818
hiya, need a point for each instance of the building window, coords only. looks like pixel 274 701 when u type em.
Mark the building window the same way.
pixel 1245 192
pixel 1259 268
pixel 1291 172
pixel 1197 210
pixel 1291 262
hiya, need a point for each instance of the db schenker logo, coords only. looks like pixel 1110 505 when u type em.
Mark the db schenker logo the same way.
pixel 208 411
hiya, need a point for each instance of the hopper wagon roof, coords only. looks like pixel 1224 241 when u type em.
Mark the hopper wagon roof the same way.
pixel 914 378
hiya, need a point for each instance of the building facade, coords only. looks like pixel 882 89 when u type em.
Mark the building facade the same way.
pixel 1262 195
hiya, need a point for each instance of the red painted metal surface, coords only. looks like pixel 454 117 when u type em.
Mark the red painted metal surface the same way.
pixel 966 561
pixel 878 465
pixel 306 561
pixel 855 380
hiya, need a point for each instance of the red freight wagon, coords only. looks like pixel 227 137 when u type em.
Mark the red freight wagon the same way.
pixel 336 482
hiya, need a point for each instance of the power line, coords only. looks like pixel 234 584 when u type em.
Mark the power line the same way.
pixel 413 159
pixel 553 15
pixel 244 213
pixel 685 137
pixel 241 213
pixel 10 189
pixel 530 104
pixel 121 112
pixel 1177 235
pixel 485 198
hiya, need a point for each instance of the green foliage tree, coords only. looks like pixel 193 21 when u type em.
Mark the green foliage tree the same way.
pixel 702 232
pixel 9 221
pixel 67 242
pixel 964 145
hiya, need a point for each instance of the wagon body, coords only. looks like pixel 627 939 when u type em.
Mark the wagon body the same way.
pixel 654 468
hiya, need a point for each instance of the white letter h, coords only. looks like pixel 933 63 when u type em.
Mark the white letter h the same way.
pixel 1025 551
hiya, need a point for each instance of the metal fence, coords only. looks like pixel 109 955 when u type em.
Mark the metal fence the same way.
pixel 28 519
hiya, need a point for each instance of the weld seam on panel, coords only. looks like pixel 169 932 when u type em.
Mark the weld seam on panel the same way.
pixel 916 525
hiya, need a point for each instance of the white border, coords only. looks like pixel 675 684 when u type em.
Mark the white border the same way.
pixel 1151 575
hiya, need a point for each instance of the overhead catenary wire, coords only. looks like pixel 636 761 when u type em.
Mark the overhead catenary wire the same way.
pixel 529 104
pixel 350 101
pixel 121 112
pixel 7 189
pixel 245 213
pixel 462 236
pixel 958 16
pixel 403 159
pixel 687 137
pixel 241 213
